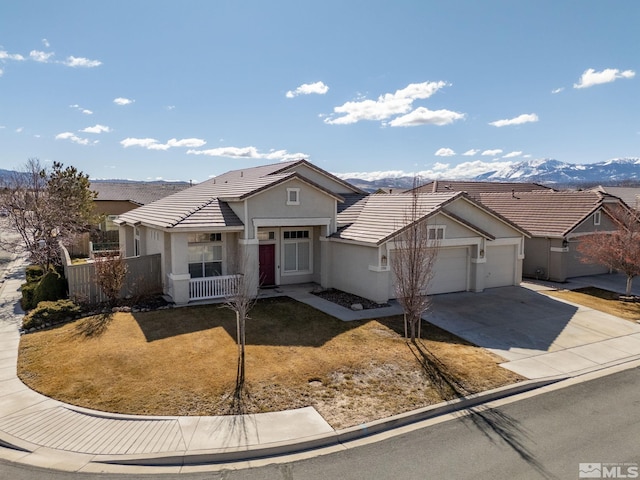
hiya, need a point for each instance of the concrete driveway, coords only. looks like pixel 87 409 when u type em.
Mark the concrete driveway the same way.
pixel 538 336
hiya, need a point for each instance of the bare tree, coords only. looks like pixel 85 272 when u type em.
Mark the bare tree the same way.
pixel 241 300
pixel 618 250
pixel 111 272
pixel 413 262
pixel 44 207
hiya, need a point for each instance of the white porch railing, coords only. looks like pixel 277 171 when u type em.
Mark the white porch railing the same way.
pixel 212 287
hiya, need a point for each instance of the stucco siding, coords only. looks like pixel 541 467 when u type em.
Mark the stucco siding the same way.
pixel 476 216
pixel 350 271
pixel 589 225
pixel 322 180
pixel 536 257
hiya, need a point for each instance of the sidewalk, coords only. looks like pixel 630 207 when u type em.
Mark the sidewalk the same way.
pixel 40 431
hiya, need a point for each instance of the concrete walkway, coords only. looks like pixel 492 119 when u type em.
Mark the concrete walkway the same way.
pixel 43 432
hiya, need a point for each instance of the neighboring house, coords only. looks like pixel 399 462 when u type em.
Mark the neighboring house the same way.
pixel 556 222
pixel 293 222
pixel 629 195
pixel 115 198
pixel 474 189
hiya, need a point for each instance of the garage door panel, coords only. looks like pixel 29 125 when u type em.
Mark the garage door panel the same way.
pixel 451 271
pixel 500 267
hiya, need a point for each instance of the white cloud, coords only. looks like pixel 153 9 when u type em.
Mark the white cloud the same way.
pixel 444 152
pixel 308 88
pixel 138 142
pixel 512 154
pixel 74 138
pixel 19 129
pixel 440 166
pixel 39 56
pixel 85 111
pixel 471 152
pixel 519 120
pixel 249 152
pixel 72 61
pixel 4 55
pixel 590 77
pixel 424 116
pixel 46 43
pixel 557 90
pixel 491 153
pixel 386 106
pixel 123 101
pixel 153 144
pixel 1 72
pixel 96 129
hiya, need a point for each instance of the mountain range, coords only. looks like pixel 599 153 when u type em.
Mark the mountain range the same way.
pixel 546 171
pixel 619 171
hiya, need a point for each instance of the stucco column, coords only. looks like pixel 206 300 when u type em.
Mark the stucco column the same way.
pixel 248 251
pixel 178 277
pixel 325 262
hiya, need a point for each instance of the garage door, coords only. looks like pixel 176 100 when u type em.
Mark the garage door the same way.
pixel 500 267
pixel 451 271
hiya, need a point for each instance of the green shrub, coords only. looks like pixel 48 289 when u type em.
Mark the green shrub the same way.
pixel 51 287
pixel 51 312
pixel 28 294
pixel 33 273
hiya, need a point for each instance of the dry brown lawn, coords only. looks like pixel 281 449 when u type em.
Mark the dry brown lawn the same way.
pixel 602 300
pixel 183 362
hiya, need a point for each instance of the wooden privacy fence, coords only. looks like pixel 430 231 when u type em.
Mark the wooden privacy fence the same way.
pixel 143 277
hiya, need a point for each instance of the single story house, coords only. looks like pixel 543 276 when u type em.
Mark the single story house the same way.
pixel 115 198
pixel 474 189
pixel 556 221
pixel 293 222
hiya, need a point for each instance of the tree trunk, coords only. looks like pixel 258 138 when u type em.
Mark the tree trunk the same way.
pixel 241 342
pixel 629 282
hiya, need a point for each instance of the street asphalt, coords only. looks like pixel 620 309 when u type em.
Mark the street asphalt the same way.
pixel 39 431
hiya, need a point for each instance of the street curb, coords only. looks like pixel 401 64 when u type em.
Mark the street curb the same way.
pixel 335 438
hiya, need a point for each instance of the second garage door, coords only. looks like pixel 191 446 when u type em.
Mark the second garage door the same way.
pixel 500 268
pixel 451 271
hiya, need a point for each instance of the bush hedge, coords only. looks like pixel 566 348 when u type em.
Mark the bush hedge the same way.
pixel 50 312
pixel 39 287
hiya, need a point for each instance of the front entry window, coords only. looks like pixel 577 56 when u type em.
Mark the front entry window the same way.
pixel 205 255
pixel 297 251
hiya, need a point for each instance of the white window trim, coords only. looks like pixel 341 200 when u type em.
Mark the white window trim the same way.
pixel 223 256
pixel 297 200
pixel 597 217
pixel 287 273
pixel 432 228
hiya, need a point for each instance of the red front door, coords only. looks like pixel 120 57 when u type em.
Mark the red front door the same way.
pixel 267 259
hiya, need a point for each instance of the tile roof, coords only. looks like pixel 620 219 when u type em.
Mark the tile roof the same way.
pixel 277 168
pixel 135 192
pixel 350 209
pixel 381 217
pixel 474 189
pixel 545 213
pixel 629 195
pixel 204 205
pixel 200 205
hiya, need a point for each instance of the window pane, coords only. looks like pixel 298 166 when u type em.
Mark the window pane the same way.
pixel 195 254
pixel 303 256
pixel 195 269
pixel 212 269
pixel 217 253
pixel 290 257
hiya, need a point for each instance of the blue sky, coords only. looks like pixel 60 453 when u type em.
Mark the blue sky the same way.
pixel 187 90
